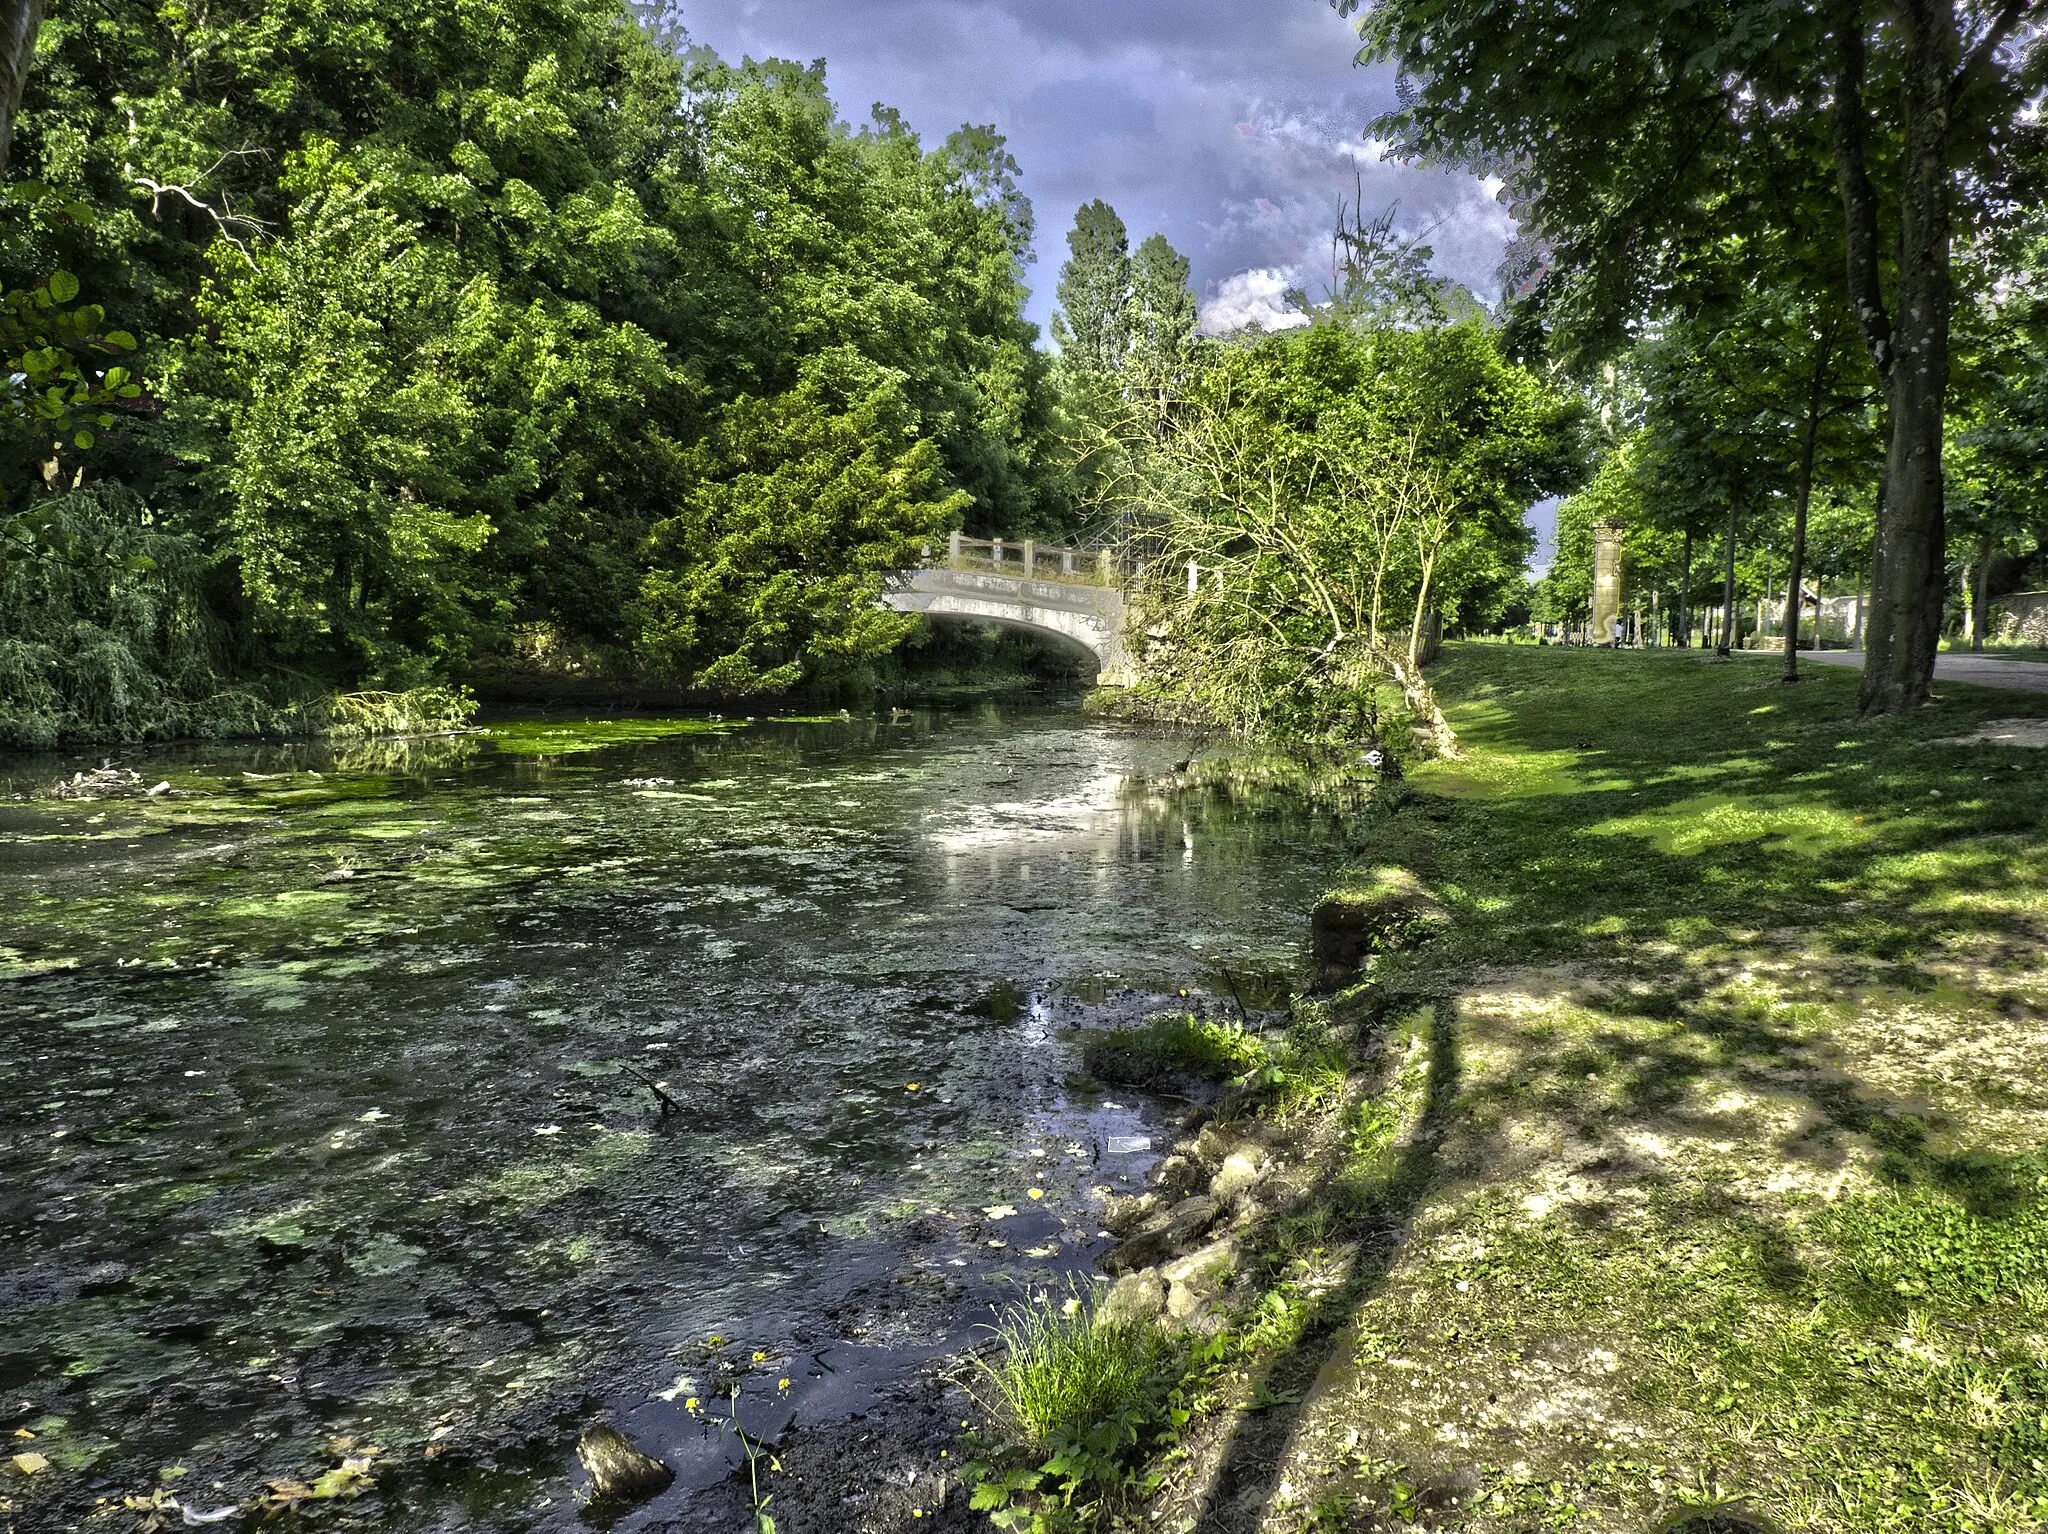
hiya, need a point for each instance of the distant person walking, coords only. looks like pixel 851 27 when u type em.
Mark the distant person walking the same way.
pixel 1614 628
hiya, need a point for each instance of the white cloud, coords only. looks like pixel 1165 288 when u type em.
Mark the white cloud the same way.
pixel 1257 297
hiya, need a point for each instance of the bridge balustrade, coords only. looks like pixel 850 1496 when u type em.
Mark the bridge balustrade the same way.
pixel 1030 559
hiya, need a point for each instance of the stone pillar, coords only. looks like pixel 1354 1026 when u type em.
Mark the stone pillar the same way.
pixel 1030 557
pixel 953 550
pixel 1606 579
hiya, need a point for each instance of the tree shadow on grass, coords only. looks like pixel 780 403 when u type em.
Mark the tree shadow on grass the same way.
pixel 1848 857
pixel 1253 1458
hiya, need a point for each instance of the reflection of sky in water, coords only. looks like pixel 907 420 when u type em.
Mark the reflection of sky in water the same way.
pixel 328 1098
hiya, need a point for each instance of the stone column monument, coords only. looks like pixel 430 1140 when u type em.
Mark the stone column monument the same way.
pixel 1606 579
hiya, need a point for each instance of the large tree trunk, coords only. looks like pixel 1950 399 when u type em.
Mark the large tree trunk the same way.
pixel 20 20
pixel 1909 574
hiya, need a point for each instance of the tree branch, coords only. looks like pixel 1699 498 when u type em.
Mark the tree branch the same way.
pixel 1859 197
pixel 225 219
pixel 2010 15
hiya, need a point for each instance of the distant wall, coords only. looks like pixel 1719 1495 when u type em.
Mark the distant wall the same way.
pixel 2021 618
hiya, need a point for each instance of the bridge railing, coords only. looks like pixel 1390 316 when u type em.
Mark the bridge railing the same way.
pixel 1029 559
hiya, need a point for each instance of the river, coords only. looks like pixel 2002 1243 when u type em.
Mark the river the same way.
pixel 375 1117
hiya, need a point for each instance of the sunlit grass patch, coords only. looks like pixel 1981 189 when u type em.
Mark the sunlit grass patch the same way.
pixel 1173 1045
pixel 1708 821
pixel 1482 774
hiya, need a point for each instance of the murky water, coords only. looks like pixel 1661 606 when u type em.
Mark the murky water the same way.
pixel 373 1121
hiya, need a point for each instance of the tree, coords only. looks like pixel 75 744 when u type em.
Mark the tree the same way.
pixel 1163 312
pixel 773 562
pixel 20 21
pixel 1093 326
pixel 1641 124
pixel 1331 488
pixel 441 311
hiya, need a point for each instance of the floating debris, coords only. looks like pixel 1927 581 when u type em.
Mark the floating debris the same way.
pixel 105 781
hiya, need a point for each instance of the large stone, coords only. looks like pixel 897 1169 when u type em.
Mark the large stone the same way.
pixel 619 1472
pixel 1121 1216
pixel 1240 1173
pixel 1164 1234
pixel 1139 1296
pixel 1196 1281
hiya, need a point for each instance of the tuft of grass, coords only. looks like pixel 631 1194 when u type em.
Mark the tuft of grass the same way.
pixel 1066 1371
pixel 1170 1045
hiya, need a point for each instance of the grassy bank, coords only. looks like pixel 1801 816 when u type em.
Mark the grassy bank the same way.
pixel 1693 1175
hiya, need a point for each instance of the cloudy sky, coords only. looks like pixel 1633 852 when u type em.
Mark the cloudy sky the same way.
pixel 1231 126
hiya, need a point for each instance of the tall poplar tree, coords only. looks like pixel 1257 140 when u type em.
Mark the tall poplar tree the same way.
pixel 1163 311
pixel 1093 326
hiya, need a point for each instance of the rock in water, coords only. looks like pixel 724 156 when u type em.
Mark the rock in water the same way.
pixel 619 1472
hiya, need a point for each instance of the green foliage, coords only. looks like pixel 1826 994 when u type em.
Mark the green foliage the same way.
pixel 62 390
pixel 1172 1045
pixel 776 556
pixel 418 711
pixel 1922 1245
pixel 1163 312
pixel 1082 1398
pixel 1064 1370
pixel 459 324
pixel 110 636
pixel 1093 326
pixel 1334 488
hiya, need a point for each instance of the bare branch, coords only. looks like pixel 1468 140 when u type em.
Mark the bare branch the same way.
pixel 226 221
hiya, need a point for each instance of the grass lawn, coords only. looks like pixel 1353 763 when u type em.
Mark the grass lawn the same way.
pixel 1731 1187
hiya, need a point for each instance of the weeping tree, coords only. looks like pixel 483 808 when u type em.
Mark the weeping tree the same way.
pixel 1313 502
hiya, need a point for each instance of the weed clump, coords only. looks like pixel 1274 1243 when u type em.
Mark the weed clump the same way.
pixel 1064 1371
pixel 1169 1045
pixel 1082 1400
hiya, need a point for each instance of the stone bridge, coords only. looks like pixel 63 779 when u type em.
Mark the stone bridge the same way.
pixel 1064 594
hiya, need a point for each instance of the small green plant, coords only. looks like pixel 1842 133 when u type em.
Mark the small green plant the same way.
pixel 1305 1075
pixel 1063 1368
pixel 1170 1045
pixel 1079 1396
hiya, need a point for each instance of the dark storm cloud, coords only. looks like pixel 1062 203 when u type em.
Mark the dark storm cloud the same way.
pixel 1231 127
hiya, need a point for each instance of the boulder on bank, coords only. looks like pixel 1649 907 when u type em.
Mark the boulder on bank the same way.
pixel 1387 911
pixel 618 1471
pixel 1136 1297
pixel 1196 1281
pixel 1164 1234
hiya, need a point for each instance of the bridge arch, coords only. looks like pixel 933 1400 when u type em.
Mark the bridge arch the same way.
pixel 1073 612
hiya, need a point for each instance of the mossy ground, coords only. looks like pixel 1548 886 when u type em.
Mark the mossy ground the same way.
pixel 1727 1184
